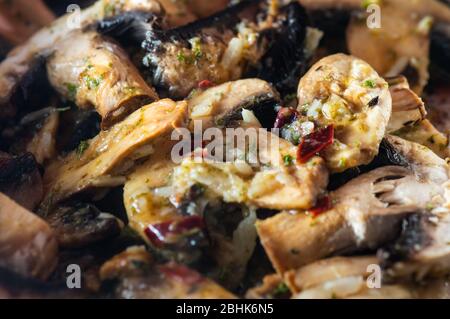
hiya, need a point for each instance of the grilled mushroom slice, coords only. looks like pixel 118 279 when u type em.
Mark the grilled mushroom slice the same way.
pixel 233 43
pixel 97 73
pixel 342 277
pixel 21 180
pixel 422 249
pixel 407 107
pixel 367 212
pixel 28 245
pixel 346 93
pixel 222 105
pixel 357 220
pixel 177 13
pixel 82 224
pixel 139 277
pixel 102 162
pixel 402 44
pixel 20 70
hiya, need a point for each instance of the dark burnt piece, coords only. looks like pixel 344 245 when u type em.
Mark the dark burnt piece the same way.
pixel 20 179
pixel 82 224
pixel 285 60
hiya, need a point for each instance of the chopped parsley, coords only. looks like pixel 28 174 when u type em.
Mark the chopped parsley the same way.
pixel 369 84
pixel 91 82
pixel 281 289
pixel 82 147
pixel 72 90
pixel 288 160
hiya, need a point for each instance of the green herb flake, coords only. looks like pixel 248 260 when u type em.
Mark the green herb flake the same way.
pixel 281 289
pixel 82 147
pixel 72 90
pixel 288 160
pixel 369 84
pixel 91 82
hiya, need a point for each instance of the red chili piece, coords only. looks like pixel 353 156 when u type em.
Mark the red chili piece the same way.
pixel 284 116
pixel 314 142
pixel 205 84
pixel 159 233
pixel 323 204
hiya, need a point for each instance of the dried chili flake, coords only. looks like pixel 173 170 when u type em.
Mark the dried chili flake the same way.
pixel 322 205
pixel 315 142
pixel 205 84
pixel 285 115
pixel 160 233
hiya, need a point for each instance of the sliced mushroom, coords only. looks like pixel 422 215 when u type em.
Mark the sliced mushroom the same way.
pixel 357 220
pixel 347 93
pixel 367 211
pixel 402 44
pixel 19 71
pixel 422 249
pixel 221 105
pixel 426 134
pixel 28 245
pixel 342 277
pixel 407 107
pixel 82 224
pixel 35 133
pixel 97 73
pixel 21 180
pixel 102 161
pixel 233 43
pixel 140 278
pixel 269 177
pixel 177 13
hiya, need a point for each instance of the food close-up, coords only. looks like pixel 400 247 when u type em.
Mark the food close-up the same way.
pixel 225 149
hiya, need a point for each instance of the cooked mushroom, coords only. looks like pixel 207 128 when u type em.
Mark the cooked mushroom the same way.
pixel 221 105
pixel 402 43
pixel 223 47
pixel 422 249
pixel 346 93
pixel 358 219
pixel 269 177
pixel 102 162
pixel 19 71
pixel 21 180
pixel 97 73
pixel 342 277
pixel 20 19
pixel 407 107
pixel 82 224
pixel 424 133
pixel 140 278
pixel 28 245
pixel 35 133
pixel 367 212
pixel 177 13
